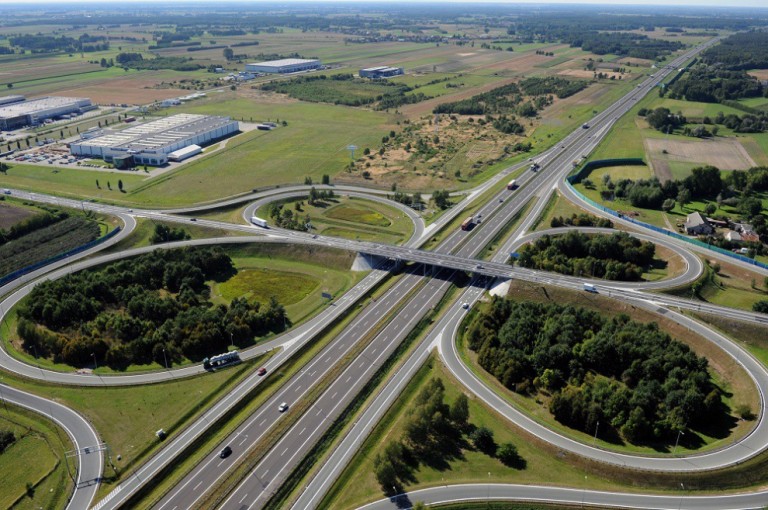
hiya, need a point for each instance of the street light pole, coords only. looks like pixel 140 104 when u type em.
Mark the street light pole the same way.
pixel 95 363
pixel 677 441
pixel 680 506
pixel 165 359
pixel 594 441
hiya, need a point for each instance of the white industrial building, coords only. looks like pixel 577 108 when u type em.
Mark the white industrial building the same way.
pixel 286 65
pixel 153 143
pixel 20 113
pixel 381 72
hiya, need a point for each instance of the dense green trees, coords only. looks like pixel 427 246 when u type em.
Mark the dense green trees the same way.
pixel 617 256
pixel 128 312
pixel 713 84
pixel 165 234
pixel 580 220
pixel 742 51
pixel 631 377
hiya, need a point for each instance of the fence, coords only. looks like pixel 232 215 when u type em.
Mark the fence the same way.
pixel 580 174
pixel 50 260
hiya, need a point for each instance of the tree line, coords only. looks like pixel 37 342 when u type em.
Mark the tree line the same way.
pixel 742 51
pixel 434 433
pixel 631 377
pixel 738 189
pixel 149 308
pixel 712 83
pixel 617 256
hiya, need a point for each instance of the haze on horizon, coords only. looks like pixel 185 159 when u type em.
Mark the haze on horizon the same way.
pixel 682 3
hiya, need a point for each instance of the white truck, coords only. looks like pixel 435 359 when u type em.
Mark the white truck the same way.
pixel 259 222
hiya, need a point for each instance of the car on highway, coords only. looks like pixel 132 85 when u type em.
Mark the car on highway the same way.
pixel 261 371
pixel 465 306
pixel 225 452
pixel 283 407
pixel 193 219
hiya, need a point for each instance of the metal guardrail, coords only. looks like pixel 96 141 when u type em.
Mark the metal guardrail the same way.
pixel 696 242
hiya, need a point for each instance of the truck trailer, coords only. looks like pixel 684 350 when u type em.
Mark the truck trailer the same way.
pixel 512 184
pixel 467 224
pixel 259 222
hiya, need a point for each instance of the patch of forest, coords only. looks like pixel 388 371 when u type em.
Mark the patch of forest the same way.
pixel 346 89
pixel 131 311
pixel 137 61
pixel 715 84
pixel 640 384
pixel 617 256
pixel 742 51
pixel 524 99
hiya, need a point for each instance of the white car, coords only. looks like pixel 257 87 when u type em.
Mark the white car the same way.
pixel 465 306
pixel 283 407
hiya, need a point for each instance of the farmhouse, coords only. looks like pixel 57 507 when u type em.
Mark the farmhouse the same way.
pixel 381 72
pixel 153 143
pixel 696 224
pixel 733 236
pixel 16 113
pixel 286 65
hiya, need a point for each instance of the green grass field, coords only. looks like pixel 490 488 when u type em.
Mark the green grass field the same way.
pixel 312 144
pixel 296 275
pixel 127 417
pixel 35 460
pixel 352 218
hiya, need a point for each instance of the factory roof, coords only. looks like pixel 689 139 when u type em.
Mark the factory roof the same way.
pixel 38 105
pixel 158 133
pixel 284 62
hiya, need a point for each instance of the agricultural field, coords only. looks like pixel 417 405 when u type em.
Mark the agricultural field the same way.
pixel 35 233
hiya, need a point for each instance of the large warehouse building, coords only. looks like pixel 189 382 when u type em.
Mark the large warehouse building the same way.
pixel 152 143
pixel 22 113
pixel 286 65
pixel 381 72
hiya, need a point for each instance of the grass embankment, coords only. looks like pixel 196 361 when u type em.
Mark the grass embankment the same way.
pixel 34 467
pixel 470 210
pixel 727 374
pixel 296 274
pixel 145 228
pixel 556 207
pixel 730 286
pixel 350 218
pixel 127 417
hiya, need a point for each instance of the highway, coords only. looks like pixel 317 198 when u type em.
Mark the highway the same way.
pixel 494 215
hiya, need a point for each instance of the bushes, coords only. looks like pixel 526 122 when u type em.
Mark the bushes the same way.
pixel 7 438
pixel 630 377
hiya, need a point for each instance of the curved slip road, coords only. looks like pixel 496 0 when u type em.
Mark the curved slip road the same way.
pixel 694 266
pixel 457 494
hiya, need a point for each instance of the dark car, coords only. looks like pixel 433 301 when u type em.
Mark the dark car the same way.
pixel 261 371
pixel 225 452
